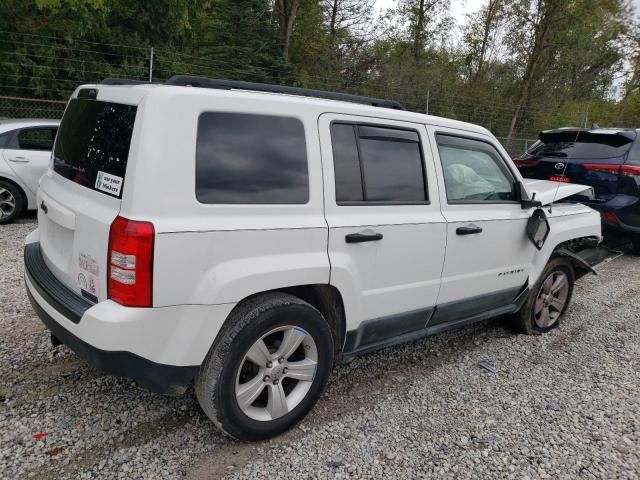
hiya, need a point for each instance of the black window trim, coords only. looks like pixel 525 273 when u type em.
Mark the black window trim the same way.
pixel 15 141
pixel 359 203
pixel 506 164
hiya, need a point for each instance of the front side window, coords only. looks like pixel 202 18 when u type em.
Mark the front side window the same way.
pixel 377 164
pixel 251 159
pixel 36 139
pixel 473 171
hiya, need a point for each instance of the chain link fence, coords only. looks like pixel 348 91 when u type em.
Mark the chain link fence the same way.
pixel 516 146
pixel 19 107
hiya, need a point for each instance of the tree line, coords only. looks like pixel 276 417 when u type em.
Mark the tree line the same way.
pixel 515 66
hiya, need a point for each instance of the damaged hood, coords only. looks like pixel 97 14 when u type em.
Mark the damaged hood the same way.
pixel 547 191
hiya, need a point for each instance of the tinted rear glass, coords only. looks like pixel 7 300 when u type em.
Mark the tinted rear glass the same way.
pixel 251 159
pixel 92 146
pixel 582 146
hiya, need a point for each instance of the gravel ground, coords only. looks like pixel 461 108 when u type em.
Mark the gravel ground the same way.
pixel 562 405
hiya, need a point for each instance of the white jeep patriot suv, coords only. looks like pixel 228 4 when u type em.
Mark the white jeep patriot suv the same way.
pixel 245 237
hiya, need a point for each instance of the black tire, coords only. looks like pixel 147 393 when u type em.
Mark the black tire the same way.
pixel 215 384
pixel 635 244
pixel 18 201
pixel 525 320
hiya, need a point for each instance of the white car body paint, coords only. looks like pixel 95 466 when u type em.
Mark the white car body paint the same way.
pixel 547 192
pixel 208 258
pixel 24 167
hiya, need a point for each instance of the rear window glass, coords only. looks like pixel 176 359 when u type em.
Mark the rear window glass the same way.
pixel 251 159
pixel 92 146
pixel 582 146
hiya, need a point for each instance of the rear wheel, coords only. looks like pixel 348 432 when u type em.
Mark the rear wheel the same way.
pixel 268 367
pixel 548 299
pixel 11 202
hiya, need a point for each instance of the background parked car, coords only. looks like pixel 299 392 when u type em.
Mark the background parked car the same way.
pixel 25 149
pixel 607 159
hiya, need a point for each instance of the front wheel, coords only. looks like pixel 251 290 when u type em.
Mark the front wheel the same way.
pixel 268 367
pixel 548 299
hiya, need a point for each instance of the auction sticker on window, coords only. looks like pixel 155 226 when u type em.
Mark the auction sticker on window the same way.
pixel 108 183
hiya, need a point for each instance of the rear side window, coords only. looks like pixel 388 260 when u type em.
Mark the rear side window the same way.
pixel 582 145
pixel 377 164
pixel 92 147
pixel 36 138
pixel 251 159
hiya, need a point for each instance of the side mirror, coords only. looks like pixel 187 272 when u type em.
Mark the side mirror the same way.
pixel 538 228
pixel 523 196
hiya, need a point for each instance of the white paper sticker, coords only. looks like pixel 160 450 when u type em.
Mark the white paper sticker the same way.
pixel 108 183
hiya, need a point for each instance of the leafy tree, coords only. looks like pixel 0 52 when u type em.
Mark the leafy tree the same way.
pixel 482 38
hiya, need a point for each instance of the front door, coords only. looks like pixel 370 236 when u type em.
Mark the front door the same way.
pixel 488 253
pixel 386 231
pixel 30 153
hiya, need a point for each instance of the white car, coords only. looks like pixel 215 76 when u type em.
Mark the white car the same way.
pixel 25 150
pixel 245 237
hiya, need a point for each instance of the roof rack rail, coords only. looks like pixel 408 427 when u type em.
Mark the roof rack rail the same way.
pixel 121 81
pixel 205 82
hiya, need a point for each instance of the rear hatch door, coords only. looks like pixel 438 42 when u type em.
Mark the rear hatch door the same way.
pixel 578 156
pixel 80 195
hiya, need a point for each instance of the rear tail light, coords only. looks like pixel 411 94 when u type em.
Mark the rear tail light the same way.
pixel 522 162
pixel 611 217
pixel 630 170
pixel 130 262
pixel 603 168
pixel 626 170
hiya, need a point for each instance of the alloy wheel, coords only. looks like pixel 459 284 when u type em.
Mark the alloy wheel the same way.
pixel 7 203
pixel 552 299
pixel 276 373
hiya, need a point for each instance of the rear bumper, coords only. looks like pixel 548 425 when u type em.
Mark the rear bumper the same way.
pixel 165 379
pixel 160 348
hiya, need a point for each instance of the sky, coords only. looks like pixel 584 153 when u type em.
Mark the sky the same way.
pixel 461 7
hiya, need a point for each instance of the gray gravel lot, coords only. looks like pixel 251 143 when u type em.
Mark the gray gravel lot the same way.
pixel 563 405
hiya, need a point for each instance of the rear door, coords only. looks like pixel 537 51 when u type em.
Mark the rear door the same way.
pixel 81 195
pixel 488 253
pixel 386 231
pixel 29 154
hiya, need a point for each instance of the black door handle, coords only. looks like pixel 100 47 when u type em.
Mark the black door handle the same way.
pixel 468 230
pixel 363 237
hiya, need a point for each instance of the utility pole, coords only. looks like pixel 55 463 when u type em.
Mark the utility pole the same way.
pixel 428 95
pixel 151 66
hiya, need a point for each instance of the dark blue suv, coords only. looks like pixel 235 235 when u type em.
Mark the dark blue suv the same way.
pixel 607 159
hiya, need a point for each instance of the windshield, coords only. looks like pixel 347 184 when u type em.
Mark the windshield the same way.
pixel 92 145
